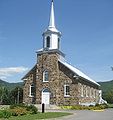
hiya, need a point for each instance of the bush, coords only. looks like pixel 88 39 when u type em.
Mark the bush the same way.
pixel 5 114
pixel 18 111
pixel 75 107
pixel 32 109
pixel 91 107
pixel 25 109
pixel 17 105
pixel 1 114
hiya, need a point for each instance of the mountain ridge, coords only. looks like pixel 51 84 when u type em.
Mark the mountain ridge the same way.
pixel 10 86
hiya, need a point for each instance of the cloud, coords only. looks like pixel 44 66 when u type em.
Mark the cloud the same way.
pixel 10 71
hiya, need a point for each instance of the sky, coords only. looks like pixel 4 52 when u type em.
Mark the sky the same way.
pixel 87 35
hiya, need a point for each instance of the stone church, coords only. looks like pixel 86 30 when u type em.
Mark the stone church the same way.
pixel 53 80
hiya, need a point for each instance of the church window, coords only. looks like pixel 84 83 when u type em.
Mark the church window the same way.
pixel 82 91
pixel 32 90
pixel 66 90
pixel 86 91
pixel 48 42
pixel 45 76
pixel 91 92
pixel 94 93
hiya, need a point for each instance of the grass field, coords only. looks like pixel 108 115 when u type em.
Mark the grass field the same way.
pixel 39 116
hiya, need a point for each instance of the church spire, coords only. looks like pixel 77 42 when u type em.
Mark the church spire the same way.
pixel 51 36
pixel 52 17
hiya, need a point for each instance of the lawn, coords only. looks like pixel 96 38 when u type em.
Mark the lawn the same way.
pixel 39 116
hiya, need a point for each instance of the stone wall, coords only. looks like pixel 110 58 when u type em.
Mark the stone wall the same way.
pixel 49 62
pixel 28 81
pixel 81 91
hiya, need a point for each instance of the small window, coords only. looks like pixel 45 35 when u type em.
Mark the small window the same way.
pixel 48 42
pixel 45 76
pixel 66 90
pixel 32 90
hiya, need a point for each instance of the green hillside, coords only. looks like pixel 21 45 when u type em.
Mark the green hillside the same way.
pixel 10 86
pixel 106 86
pixel 107 91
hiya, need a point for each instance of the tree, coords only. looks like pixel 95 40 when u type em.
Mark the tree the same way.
pixel 108 96
pixel 17 95
pixel 4 96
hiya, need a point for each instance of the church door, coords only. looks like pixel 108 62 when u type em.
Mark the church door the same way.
pixel 46 96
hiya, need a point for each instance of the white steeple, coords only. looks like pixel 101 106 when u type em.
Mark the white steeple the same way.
pixel 52 17
pixel 51 36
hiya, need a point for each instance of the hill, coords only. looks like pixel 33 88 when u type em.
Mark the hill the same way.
pixel 10 86
pixel 106 86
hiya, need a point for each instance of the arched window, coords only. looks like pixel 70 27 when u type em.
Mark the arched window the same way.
pixel 48 42
pixel 45 76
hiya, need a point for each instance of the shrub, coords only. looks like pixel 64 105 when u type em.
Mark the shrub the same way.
pixel 18 111
pixel 22 109
pixel 17 105
pixel 91 107
pixel 5 114
pixel 1 114
pixel 32 109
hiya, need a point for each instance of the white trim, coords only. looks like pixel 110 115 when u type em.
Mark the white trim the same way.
pixel 65 92
pixel 94 93
pixel 82 90
pixel 30 91
pixel 46 96
pixel 44 73
pixel 86 91
pixel 78 72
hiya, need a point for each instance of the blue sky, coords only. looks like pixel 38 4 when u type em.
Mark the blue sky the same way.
pixel 87 35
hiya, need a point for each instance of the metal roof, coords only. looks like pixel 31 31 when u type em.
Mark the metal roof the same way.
pixel 78 72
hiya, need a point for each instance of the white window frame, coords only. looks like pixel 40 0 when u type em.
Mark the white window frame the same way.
pixel 86 91
pixel 91 92
pixel 65 92
pixel 44 76
pixel 82 91
pixel 30 93
pixel 94 93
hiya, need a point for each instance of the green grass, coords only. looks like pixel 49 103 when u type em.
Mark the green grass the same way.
pixel 39 116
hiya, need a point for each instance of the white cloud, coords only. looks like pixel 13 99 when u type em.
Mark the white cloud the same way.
pixel 10 71
pixel 3 77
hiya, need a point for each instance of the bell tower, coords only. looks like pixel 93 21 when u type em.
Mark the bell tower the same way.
pixel 51 36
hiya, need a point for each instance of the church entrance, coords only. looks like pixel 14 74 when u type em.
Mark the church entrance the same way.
pixel 46 96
